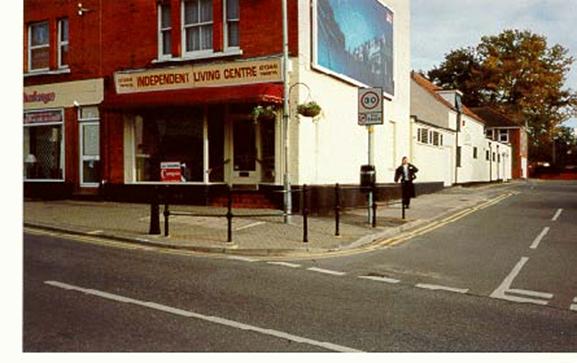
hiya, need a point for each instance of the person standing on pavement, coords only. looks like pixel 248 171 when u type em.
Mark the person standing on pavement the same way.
pixel 406 173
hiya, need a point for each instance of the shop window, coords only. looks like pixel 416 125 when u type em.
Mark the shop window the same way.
pixel 232 23
pixel 267 135
pixel 217 163
pixel 169 136
pixel 38 46
pixel 197 26
pixel 504 135
pixel 164 31
pixel 43 146
pixel 63 43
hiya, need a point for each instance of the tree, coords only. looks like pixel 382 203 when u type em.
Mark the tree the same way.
pixel 517 73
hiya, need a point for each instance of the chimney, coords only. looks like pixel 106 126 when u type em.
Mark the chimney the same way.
pixel 454 97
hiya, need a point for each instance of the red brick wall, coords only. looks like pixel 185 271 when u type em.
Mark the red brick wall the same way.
pixel 71 156
pixel 112 151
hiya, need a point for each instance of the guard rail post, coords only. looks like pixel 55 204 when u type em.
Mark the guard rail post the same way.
pixel 337 210
pixel 305 215
pixel 229 215
pixel 374 206
pixel 154 227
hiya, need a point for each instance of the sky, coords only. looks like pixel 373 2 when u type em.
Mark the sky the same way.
pixel 439 26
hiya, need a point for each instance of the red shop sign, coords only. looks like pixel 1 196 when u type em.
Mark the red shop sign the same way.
pixel 170 171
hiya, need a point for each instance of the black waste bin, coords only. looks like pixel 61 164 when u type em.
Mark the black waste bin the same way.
pixel 368 176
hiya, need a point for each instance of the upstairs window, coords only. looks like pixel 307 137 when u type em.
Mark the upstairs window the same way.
pixel 197 25
pixel 63 43
pixel 38 47
pixel 232 24
pixel 504 135
pixel 164 30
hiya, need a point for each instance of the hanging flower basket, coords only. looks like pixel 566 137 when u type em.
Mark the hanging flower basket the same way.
pixel 309 109
pixel 260 113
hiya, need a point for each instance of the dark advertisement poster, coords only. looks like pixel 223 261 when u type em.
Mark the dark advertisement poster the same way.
pixel 355 40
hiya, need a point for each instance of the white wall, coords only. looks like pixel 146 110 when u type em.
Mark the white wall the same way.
pixel 435 163
pixel 332 148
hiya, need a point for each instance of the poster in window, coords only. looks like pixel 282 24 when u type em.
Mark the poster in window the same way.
pixel 354 41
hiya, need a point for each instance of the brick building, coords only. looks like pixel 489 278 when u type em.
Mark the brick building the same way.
pixel 123 96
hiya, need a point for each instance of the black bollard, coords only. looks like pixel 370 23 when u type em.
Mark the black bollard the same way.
pixel 374 206
pixel 337 209
pixel 305 215
pixel 166 216
pixel 154 214
pixel 229 215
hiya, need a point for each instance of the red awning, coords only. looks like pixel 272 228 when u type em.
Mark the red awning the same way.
pixel 254 93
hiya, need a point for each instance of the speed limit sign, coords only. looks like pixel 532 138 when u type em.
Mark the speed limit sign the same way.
pixel 370 106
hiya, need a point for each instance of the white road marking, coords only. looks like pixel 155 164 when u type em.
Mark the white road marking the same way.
pixel 212 319
pixel 537 240
pixel 285 264
pixel 556 216
pixel 573 307
pixel 249 226
pixel 98 231
pixel 575 300
pixel 329 272
pixel 443 288
pixel 543 295
pixel 381 279
pixel 241 258
pixel 505 287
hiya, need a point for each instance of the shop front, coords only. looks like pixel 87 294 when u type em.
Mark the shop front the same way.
pixel 193 128
pixel 61 140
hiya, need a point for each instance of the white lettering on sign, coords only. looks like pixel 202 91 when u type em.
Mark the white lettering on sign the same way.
pixel 42 117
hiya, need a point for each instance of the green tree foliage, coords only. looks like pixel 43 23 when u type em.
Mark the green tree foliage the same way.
pixel 518 73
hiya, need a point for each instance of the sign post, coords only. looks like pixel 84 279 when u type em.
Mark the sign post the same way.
pixel 370 104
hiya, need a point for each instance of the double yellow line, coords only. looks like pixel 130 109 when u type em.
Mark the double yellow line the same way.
pixel 438 224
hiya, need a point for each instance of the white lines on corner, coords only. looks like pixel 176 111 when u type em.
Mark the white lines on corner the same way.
pixel 442 288
pixel 198 316
pixel 387 280
pixel 537 240
pixel 328 272
pixel 573 307
pixel 285 264
pixel 241 258
pixel 525 296
pixel 557 214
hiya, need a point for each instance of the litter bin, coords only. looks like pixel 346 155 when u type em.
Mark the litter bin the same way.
pixel 368 176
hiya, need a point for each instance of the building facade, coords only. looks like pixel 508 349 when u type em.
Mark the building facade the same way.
pixel 450 139
pixel 123 96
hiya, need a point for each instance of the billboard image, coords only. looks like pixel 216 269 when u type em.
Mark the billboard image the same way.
pixel 354 40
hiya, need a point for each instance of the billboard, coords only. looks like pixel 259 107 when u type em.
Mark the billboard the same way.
pixel 354 41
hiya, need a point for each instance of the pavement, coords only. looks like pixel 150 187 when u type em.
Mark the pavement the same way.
pixel 257 236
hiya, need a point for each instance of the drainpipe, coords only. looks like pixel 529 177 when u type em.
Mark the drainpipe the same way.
pixel 285 58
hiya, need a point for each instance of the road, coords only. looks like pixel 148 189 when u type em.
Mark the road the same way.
pixel 501 279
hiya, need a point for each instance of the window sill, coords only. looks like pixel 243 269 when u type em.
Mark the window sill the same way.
pixel 186 58
pixel 47 72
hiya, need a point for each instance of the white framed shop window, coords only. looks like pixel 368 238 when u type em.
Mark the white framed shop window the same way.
pixel 89 146
pixel 44 146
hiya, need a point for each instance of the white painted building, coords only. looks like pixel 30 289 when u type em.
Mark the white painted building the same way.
pixel 449 145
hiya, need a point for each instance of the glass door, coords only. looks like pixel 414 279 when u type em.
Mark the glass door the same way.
pixel 89 154
pixel 246 163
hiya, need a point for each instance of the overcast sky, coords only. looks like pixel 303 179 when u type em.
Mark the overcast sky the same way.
pixel 439 26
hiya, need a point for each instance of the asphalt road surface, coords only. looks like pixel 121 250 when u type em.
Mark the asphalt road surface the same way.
pixel 501 279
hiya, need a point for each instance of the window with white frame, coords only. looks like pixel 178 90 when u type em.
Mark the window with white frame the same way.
pixel 164 31
pixel 197 26
pixel 39 46
pixel 504 135
pixel 436 139
pixel 424 136
pixel 63 43
pixel 232 24
pixel 44 145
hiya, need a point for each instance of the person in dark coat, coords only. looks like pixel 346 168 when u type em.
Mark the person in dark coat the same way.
pixel 406 173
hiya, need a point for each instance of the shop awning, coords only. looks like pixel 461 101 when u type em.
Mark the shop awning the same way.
pixel 253 93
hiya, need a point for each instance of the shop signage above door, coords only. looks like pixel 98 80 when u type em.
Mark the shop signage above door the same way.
pixel 64 94
pixel 196 76
pixel 43 117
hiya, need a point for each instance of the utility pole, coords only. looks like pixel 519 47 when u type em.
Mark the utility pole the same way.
pixel 286 116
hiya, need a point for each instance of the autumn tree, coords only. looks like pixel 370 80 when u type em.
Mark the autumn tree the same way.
pixel 518 73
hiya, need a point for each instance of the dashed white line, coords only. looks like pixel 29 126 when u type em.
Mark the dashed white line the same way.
pixel 285 264
pixel 556 216
pixel 98 231
pixel 241 258
pixel 542 295
pixel 329 272
pixel 381 279
pixel 575 300
pixel 573 307
pixel 540 237
pixel 212 319
pixel 443 288
pixel 249 226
